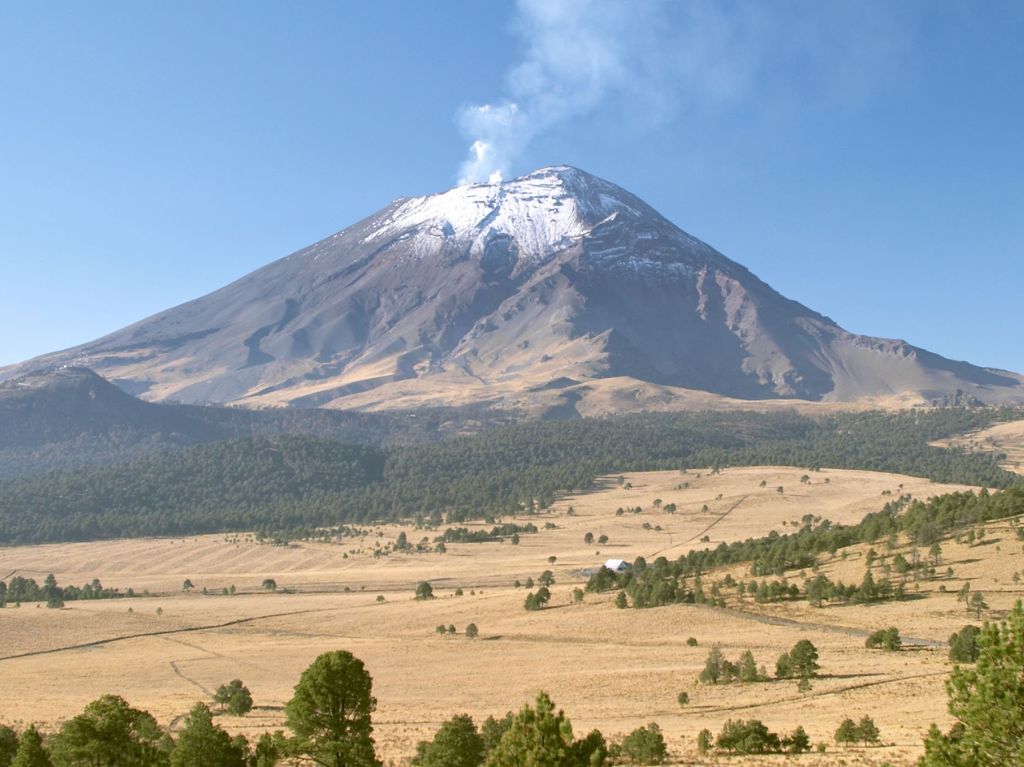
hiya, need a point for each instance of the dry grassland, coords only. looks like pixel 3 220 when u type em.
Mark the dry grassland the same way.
pixel 1005 438
pixel 611 669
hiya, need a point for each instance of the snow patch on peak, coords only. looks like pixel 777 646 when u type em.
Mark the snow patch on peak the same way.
pixel 543 211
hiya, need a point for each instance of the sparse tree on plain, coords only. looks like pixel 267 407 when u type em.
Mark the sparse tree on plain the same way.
pixel 234 697
pixel 424 591
pixel 978 604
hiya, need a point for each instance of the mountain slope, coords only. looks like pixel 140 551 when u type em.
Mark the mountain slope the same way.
pixel 540 290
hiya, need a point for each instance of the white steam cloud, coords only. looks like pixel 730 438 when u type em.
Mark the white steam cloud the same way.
pixel 651 59
pixel 582 53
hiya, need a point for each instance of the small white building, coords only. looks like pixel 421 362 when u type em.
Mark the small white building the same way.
pixel 617 565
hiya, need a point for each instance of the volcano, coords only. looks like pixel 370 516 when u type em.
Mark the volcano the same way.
pixel 553 290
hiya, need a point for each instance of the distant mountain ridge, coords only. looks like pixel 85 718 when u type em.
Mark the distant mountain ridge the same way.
pixel 556 292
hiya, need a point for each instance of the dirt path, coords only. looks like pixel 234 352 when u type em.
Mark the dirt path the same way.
pixel 845 630
pixel 164 632
pixel 823 694
pixel 720 517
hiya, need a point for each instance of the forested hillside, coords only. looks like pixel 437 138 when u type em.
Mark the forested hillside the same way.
pixel 72 418
pixel 286 483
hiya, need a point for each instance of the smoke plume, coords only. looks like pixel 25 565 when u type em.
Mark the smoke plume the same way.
pixel 579 54
pixel 646 61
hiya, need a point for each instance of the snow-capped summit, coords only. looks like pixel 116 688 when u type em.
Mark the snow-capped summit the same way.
pixel 543 211
pixel 556 290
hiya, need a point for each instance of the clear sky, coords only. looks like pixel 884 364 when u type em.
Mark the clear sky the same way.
pixel 864 157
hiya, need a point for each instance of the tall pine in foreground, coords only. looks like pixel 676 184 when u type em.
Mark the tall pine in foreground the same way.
pixel 330 712
pixel 987 701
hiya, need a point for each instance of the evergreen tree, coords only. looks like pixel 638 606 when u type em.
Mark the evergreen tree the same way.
pixel 867 732
pixel 645 745
pixel 492 730
pixel 108 732
pixel 269 750
pixel 748 737
pixel 987 702
pixel 963 645
pixel 330 712
pixel 424 591
pixel 203 744
pixel 712 672
pixel 799 663
pixel 797 742
pixel 8 745
pixel 704 740
pixel 456 744
pixel 748 668
pixel 847 732
pixel 234 697
pixel 30 750
pixel 540 737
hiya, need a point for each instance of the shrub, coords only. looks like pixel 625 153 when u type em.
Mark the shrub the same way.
pixel 884 639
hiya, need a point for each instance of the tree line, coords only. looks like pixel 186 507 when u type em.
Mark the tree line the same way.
pixel 923 522
pixel 296 482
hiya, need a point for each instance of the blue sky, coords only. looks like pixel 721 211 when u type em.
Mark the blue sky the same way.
pixel 864 158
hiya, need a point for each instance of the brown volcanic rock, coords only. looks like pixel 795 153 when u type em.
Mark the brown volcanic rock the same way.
pixel 528 289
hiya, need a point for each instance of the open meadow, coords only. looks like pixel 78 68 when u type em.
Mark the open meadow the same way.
pixel 609 668
pixel 1006 438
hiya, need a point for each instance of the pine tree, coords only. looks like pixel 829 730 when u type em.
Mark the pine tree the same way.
pixel 867 732
pixel 330 712
pixel 847 732
pixel 540 737
pixel 30 750
pixel 108 731
pixel 204 744
pixel 8 745
pixel 456 744
pixel 987 702
pixel 748 668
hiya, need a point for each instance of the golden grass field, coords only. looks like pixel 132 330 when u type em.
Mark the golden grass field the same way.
pixel 1005 438
pixel 608 668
